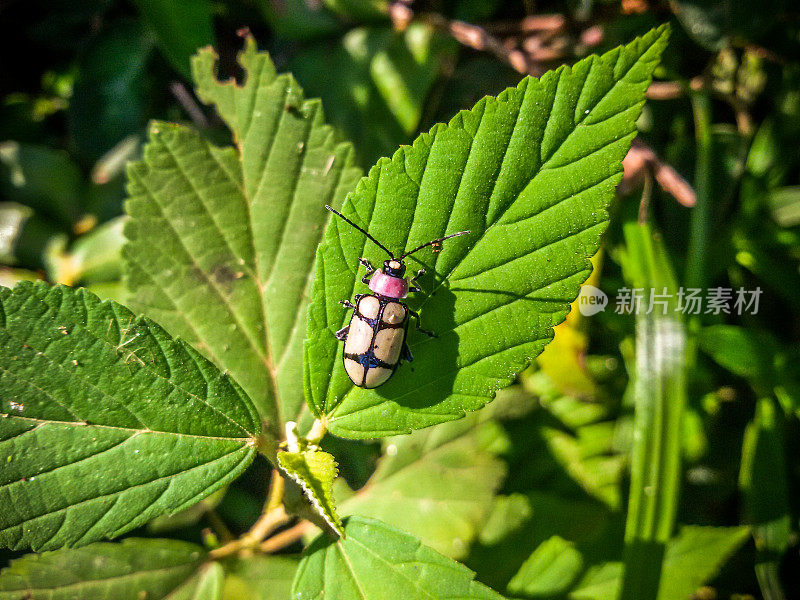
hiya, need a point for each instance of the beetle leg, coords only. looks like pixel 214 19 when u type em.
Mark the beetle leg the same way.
pixel 414 287
pixel 342 333
pixel 368 266
pixel 411 313
pixel 347 304
pixel 405 353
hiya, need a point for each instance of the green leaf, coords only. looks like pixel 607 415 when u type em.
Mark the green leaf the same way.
pixel 377 562
pixel 601 582
pixel 205 585
pixel 550 570
pixel 180 27
pixel 692 558
pixel 314 471
pixel 105 421
pixel 43 179
pixel 222 239
pixel 383 80
pixel 524 522
pixel 784 204
pixel 130 570
pixel 93 258
pixel 530 173
pixel 748 353
pixel 260 578
pixel 576 448
pixel 437 484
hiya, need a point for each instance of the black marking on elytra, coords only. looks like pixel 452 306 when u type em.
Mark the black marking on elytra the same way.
pixel 368 359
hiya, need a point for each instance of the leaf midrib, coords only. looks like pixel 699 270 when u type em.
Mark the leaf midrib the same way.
pixel 392 566
pixel 70 374
pixel 132 431
pixel 269 360
pixel 120 493
pixel 350 568
pixel 273 366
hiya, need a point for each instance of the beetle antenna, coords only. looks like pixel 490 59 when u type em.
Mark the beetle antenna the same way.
pixel 436 241
pixel 336 212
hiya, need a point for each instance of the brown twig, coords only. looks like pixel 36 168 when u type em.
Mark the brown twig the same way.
pixel 478 39
pixel 647 194
pixel 284 538
pixel 188 103
pixel 528 24
pixel 266 524
pixel 671 90
pixel 642 160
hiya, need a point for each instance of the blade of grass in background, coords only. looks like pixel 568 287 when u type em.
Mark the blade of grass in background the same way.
pixel 700 223
pixel 765 494
pixel 660 397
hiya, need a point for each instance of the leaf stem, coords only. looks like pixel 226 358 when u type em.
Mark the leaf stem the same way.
pixel 218 525
pixel 276 487
pixel 317 432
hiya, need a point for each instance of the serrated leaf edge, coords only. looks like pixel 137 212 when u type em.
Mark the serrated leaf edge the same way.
pixel 331 519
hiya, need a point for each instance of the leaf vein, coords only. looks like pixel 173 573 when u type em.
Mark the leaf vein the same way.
pixel 211 285
pixel 202 202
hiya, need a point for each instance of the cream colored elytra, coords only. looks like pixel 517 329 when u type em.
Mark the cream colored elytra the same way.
pixel 375 339
pixel 376 333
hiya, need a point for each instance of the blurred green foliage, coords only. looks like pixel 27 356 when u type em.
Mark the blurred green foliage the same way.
pixel 82 79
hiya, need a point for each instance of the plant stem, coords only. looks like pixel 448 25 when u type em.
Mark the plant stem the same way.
pixel 317 432
pixel 697 255
pixel 286 537
pixel 273 516
pixel 218 525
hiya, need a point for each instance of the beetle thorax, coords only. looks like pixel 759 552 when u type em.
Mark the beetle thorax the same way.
pixel 389 285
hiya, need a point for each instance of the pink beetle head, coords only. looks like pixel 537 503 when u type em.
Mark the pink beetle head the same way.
pixel 390 280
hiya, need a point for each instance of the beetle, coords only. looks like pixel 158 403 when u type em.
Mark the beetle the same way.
pixel 375 338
